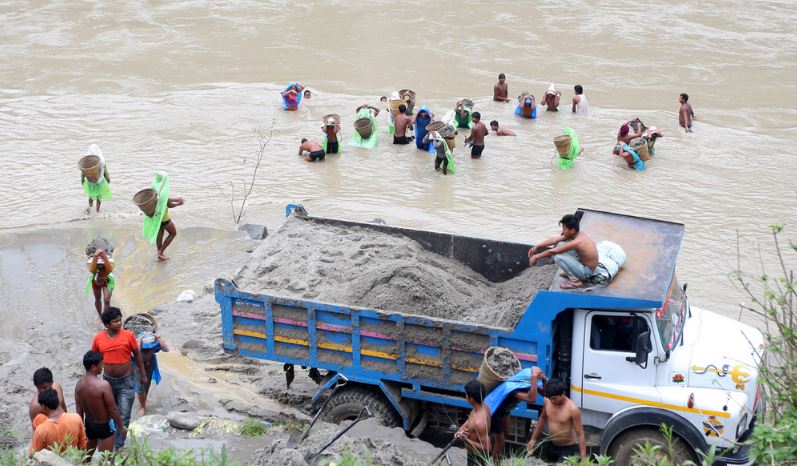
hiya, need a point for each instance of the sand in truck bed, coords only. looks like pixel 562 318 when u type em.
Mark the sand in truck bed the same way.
pixel 357 266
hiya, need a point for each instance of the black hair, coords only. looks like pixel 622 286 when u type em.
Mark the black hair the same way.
pixel 477 115
pixel 110 315
pixel 570 221
pixel 494 122
pixel 476 390
pixel 91 359
pixel 685 96
pixel 49 398
pixel 502 75
pixel 579 89
pixel 42 375
pixel 402 108
pixel 304 140
pixel 554 387
pixel 383 97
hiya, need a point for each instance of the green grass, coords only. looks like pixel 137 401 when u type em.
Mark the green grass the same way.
pixel 253 428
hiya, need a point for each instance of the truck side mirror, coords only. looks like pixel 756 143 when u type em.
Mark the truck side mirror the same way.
pixel 642 348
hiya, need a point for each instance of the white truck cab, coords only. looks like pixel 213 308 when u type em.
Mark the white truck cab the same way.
pixel 691 369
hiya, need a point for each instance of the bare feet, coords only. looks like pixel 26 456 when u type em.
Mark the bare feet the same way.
pixel 161 257
pixel 142 411
pixel 570 284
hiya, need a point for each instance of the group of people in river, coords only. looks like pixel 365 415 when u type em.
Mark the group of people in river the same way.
pixel 635 141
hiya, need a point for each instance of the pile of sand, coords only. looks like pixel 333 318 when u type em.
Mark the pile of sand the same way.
pixel 362 267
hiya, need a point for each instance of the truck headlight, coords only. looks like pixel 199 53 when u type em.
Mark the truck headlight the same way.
pixel 740 428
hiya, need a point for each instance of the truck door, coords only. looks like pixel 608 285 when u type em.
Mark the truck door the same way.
pixel 609 382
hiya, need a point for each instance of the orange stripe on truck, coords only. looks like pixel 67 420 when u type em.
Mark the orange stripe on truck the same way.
pixel 656 404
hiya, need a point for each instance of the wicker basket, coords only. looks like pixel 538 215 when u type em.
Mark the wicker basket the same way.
pixel 90 166
pixel 435 126
pixel 562 145
pixel 487 375
pixel 364 126
pixel 409 99
pixel 146 200
pixel 451 143
pixel 141 322
pixel 640 146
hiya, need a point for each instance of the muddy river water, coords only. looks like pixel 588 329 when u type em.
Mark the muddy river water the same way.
pixel 182 86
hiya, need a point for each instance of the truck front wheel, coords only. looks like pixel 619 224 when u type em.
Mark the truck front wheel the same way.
pixel 347 403
pixel 627 447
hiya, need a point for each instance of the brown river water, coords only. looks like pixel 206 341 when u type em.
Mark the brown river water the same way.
pixel 182 86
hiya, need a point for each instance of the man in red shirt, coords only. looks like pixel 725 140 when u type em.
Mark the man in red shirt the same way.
pixel 118 348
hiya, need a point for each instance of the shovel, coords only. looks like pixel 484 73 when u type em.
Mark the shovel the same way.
pixel 297 436
pixel 443 453
pixel 359 418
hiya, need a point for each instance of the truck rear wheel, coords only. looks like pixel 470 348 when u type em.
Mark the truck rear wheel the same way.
pixel 347 403
pixel 624 448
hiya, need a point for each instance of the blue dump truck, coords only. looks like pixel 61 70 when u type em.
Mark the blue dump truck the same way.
pixel 634 353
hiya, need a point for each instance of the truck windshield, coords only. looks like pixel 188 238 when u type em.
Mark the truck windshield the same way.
pixel 670 317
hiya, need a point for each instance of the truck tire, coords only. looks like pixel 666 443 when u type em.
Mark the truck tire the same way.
pixel 346 404
pixel 623 449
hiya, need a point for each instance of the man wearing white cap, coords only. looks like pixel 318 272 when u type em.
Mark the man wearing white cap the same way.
pixel 331 130
pixel 551 100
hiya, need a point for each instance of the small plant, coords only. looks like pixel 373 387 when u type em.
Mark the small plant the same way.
pixel 253 428
pixel 603 460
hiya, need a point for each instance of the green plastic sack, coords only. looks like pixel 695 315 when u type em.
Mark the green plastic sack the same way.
pixel 100 191
pixel 152 225
pixel 452 167
pixel 356 140
pixel 572 153
pixel 466 122
pixel 111 282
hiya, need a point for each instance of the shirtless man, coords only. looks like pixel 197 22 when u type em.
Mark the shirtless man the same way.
pixel 313 149
pixel 42 380
pixel 686 114
pixel 551 99
pixel 402 121
pixel 95 405
pixel 475 431
pixel 575 252
pixel 501 89
pixel 477 134
pixel 565 428
pixel 499 424
pixel 501 131
pixel 331 129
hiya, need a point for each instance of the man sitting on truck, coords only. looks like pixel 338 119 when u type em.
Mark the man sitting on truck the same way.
pixel 565 429
pixel 575 252
pixel 475 431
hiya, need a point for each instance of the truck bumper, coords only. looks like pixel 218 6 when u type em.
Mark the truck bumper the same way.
pixel 741 456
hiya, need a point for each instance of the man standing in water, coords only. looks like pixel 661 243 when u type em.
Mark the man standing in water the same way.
pixel 580 102
pixel 42 380
pixel 565 427
pixel 94 403
pixel 685 115
pixel 475 432
pixel 118 346
pixel 575 252
pixel 331 131
pixel 402 121
pixel 477 134
pixel 501 89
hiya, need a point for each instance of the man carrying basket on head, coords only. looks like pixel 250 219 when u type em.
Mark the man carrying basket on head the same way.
pixel 98 189
pixel 160 221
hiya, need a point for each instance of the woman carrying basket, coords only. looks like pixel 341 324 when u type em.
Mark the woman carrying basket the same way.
pixel 98 189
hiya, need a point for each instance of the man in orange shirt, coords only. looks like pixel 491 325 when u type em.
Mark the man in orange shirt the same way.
pixel 61 428
pixel 118 348
pixel 43 379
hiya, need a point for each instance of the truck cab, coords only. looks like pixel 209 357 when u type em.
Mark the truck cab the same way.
pixel 643 357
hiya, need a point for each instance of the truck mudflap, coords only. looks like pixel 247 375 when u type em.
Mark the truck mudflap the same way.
pixel 651 417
